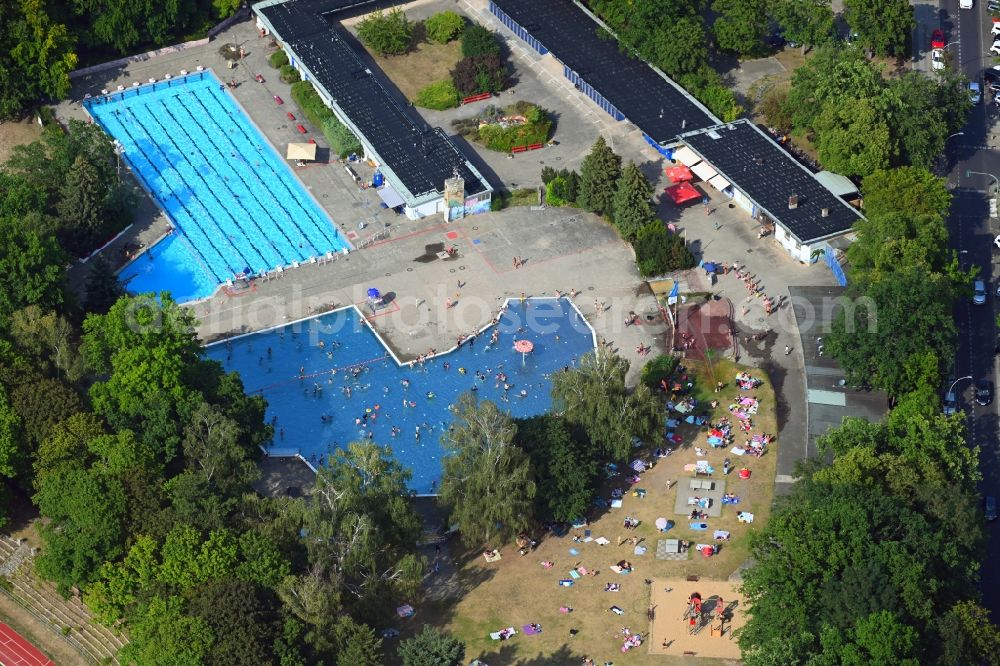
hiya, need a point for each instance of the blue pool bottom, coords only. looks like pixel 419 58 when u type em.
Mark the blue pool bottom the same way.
pixel 168 266
pixel 351 387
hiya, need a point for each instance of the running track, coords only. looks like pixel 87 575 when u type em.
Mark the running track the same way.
pixel 15 651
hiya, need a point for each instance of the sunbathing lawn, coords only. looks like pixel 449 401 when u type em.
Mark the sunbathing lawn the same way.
pixel 518 590
pixel 425 64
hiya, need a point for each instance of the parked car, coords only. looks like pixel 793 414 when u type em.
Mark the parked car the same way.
pixel 996 241
pixel 950 404
pixel 995 29
pixel 975 90
pixel 984 392
pixel 979 292
pixel 965 4
pixel 937 39
pixel 990 507
pixel 937 59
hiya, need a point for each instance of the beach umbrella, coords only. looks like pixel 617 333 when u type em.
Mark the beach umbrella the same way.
pixel 373 293
pixel 661 523
pixel 523 347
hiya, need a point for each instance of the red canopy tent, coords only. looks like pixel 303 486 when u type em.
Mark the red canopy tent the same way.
pixel 682 192
pixel 679 173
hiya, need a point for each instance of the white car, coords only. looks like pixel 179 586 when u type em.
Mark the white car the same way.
pixel 937 59
pixel 996 241
pixel 965 4
pixel 995 49
pixel 975 91
pixel 995 30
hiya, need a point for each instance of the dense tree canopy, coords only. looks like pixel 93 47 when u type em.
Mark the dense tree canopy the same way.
pixel 896 333
pixel 806 22
pixel 876 549
pixel 593 396
pixel 741 26
pixel 884 26
pixel 487 483
pixel 36 55
pixel 565 466
pixel 863 121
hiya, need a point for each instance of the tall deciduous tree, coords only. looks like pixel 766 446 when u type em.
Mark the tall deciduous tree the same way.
pixel 900 317
pixel 487 482
pixel 85 509
pixel 386 33
pixel 36 56
pixel 885 26
pixel 910 190
pixel 242 617
pixel 632 210
pixel 853 138
pixel 874 548
pixel 212 448
pixel 164 634
pixel 593 395
pixel 741 25
pixel 808 22
pixel 599 176
pixel 32 265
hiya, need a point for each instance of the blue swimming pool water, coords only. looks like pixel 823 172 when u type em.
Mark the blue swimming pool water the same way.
pixel 233 199
pixel 349 375
pixel 168 266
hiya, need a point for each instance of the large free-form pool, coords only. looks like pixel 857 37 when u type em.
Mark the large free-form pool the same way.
pixel 330 380
pixel 235 205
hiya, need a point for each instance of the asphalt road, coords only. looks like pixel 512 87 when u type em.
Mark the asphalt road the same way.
pixel 972 233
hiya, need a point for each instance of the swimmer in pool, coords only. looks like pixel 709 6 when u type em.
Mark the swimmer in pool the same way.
pixel 461 371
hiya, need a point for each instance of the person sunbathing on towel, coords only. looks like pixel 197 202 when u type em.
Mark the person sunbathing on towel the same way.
pixel 612 587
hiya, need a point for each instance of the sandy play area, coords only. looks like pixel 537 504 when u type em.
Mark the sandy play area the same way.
pixel 670 632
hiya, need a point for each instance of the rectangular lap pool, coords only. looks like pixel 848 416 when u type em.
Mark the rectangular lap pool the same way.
pixel 330 381
pixel 234 203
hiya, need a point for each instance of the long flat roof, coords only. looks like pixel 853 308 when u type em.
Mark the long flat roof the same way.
pixel 419 156
pixel 764 171
pixel 648 98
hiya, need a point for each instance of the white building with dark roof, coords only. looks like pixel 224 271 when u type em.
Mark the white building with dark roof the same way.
pixel 415 158
pixel 740 159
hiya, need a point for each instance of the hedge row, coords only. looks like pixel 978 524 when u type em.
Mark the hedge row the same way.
pixel 342 141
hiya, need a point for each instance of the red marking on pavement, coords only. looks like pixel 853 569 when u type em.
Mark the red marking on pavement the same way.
pixel 451 235
pixel 392 307
pixel 16 651
pixel 409 235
